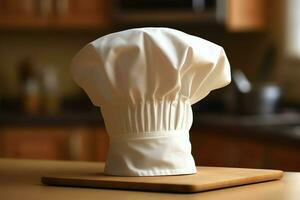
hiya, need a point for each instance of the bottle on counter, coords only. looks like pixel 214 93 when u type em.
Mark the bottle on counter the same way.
pixel 50 90
pixel 32 96
pixel 30 87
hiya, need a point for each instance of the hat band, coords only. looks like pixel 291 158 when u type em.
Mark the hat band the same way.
pixel 150 154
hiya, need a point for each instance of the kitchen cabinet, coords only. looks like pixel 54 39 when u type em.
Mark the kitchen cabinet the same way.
pixel 54 143
pixel 210 147
pixel 246 15
pixel 35 143
pixel 214 148
pixel 21 13
pixel 89 144
pixel 53 14
pixel 240 15
pixel 81 13
pixel 284 157
pixel 235 15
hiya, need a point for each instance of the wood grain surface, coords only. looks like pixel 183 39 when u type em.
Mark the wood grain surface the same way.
pixel 206 178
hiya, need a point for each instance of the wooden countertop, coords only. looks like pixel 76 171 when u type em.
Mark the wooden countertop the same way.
pixel 20 179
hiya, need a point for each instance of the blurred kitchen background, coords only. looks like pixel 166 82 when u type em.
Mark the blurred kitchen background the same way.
pixel 254 122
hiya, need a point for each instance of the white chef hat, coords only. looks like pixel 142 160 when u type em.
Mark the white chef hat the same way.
pixel 145 81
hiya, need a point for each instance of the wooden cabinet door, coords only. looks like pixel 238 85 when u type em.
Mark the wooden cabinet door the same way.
pixel 101 144
pixel 283 157
pixel 246 15
pixel 35 143
pixel 81 13
pixel 53 13
pixel 215 149
pixel 89 143
pixel 23 13
pixel 57 143
pixel 209 149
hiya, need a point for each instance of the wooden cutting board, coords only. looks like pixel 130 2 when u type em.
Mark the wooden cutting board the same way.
pixel 207 178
